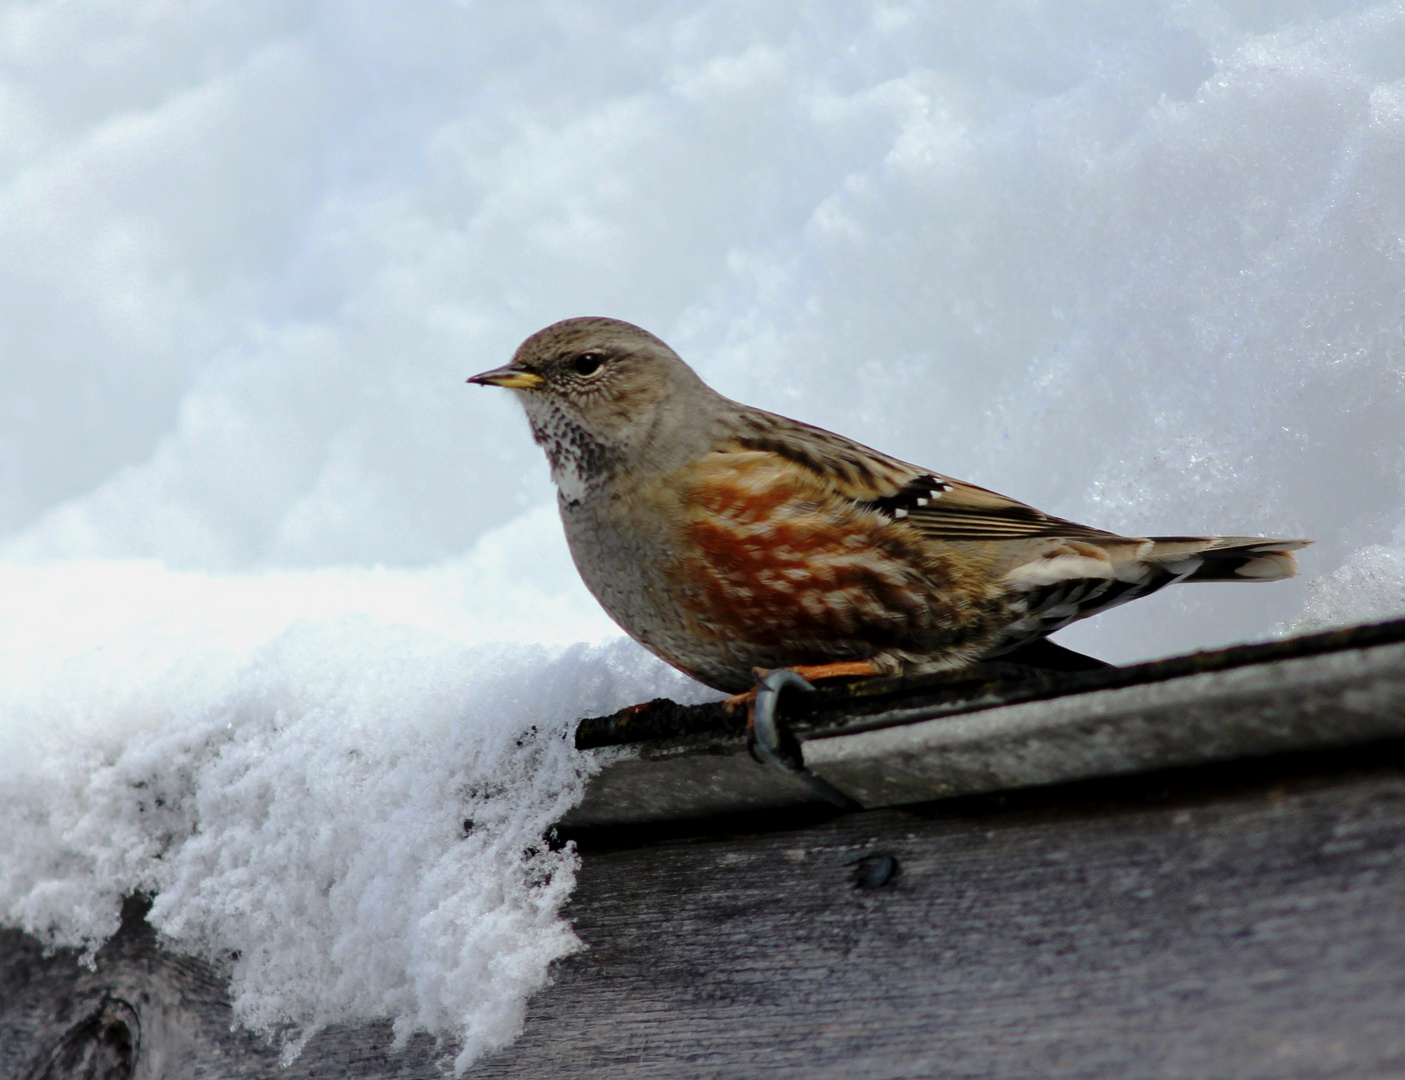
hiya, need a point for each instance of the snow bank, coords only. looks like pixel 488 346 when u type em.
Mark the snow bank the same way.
pixel 332 790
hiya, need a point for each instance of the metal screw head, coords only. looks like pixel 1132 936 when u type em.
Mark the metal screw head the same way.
pixel 874 871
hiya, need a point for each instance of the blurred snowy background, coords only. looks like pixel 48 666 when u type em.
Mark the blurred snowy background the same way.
pixel 1140 264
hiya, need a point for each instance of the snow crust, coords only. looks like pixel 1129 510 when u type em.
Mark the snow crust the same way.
pixel 264 558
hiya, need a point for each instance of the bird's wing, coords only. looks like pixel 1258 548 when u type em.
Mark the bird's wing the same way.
pixel 940 507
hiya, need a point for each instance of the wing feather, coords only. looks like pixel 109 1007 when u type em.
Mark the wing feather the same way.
pixel 967 512
pixel 938 506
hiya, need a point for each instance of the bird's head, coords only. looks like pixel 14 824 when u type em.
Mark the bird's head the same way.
pixel 602 386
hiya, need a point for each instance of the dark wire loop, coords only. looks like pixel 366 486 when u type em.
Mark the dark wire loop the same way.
pixel 768 735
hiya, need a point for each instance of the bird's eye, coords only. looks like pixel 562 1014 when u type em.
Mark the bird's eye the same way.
pixel 588 363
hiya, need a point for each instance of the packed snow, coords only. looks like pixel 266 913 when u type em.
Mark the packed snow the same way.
pixel 284 602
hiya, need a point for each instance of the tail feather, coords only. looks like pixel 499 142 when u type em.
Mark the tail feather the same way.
pixel 1225 558
pixel 1083 577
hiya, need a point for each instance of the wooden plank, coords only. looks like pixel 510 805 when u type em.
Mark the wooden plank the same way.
pixel 889 742
pixel 1238 919
pixel 1203 924
pixel 842 707
pixel 695 776
pixel 1335 699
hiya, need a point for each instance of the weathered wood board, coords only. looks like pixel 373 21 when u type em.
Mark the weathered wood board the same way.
pixel 888 742
pixel 1236 920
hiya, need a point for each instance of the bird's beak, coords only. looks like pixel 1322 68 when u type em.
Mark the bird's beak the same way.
pixel 514 378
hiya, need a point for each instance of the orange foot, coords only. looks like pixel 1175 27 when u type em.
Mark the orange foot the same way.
pixel 844 668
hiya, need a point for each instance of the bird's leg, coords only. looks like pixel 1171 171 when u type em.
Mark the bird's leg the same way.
pixel 854 669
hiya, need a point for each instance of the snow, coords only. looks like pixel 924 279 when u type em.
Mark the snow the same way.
pixel 287 761
pixel 265 557
pixel 1368 586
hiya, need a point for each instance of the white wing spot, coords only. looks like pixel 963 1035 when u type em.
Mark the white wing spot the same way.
pixel 1061 568
pixel 899 512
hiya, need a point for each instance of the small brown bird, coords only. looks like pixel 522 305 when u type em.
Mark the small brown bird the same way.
pixel 728 540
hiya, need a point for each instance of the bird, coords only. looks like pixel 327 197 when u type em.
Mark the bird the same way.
pixel 731 541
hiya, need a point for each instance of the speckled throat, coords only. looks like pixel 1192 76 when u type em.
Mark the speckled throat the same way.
pixel 578 460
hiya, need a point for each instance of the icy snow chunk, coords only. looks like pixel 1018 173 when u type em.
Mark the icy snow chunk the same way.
pixel 1368 587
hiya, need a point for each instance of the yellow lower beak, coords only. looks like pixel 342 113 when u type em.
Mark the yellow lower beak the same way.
pixel 511 378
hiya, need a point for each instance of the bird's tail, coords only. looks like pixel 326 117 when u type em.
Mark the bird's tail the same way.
pixel 1224 558
pixel 1084 576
